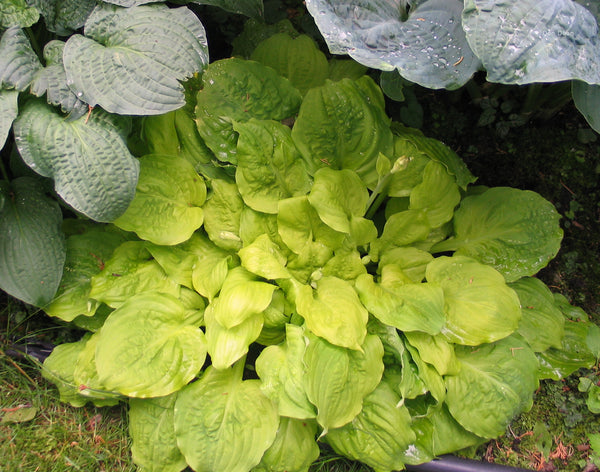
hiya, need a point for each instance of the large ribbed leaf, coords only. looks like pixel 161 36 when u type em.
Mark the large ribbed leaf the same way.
pixel 52 81
pixel 427 45
pixel 224 423
pixel 148 348
pixel 8 112
pixel 132 60
pixel 587 101
pixel 17 13
pixel 63 17
pixel 18 62
pixel 92 168
pixel 32 246
pixel 527 41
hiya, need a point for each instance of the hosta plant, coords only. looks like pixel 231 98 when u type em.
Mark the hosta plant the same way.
pixel 326 276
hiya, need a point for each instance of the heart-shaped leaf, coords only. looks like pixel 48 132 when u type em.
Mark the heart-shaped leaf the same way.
pixel 426 44
pixel 63 17
pixel 32 245
pixel 533 40
pixel 166 208
pixel 18 61
pixel 132 60
pixel 17 13
pixel 92 168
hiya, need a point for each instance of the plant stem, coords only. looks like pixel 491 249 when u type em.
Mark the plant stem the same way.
pixel 3 171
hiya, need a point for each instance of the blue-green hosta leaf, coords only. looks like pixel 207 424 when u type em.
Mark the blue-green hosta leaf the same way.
pixel 131 60
pixel 587 101
pixel 148 348
pixel 17 13
pixel 333 311
pixel 8 113
pixel 515 231
pixel 224 423
pixel 341 126
pixel 269 166
pixel 129 3
pixel 251 8
pixel 380 433
pixel 494 384
pixel 152 431
pixel 32 244
pixel 533 40
pixel 52 81
pixel 410 307
pixel 480 307
pixel 86 256
pixel 338 379
pixel 340 198
pixel 63 17
pixel 227 345
pixel 427 45
pixel 167 206
pixel 238 90
pixel 542 322
pixel 222 213
pixel 88 158
pixel 299 59
pixel 282 369
pixel 130 270
pixel 18 61
pixel 294 448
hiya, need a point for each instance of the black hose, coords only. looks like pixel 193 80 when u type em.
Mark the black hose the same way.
pixel 450 463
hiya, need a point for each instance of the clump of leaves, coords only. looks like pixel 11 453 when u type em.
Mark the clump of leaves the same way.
pixel 338 281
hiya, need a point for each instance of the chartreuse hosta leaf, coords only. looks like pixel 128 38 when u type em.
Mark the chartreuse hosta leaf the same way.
pixel 533 40
pixel 338 379
pixel 148 348
pixel 333 311
pixel 340 198
pixel 495 382
pixel 8 112
pixel 69 359
pixel 401 229
pixel 52 81
pixel 294 448
pixel 241 297
pixel 86 256
pixel 222 213
pixel 264 258
pixel 479 306
pixel 269 166
pixel 542 322
pixel 63 17
pixel 167 206
pixel 515 231
pixel 299 59
pixel 380 433
pixel 237 90
pixel 341 125
pixel 116 66
pixel 152 431
pixel 408 307
pixel 282 370
pixel 18 61
pixel 130 270
pixel 17 13
pixel 411 261
pixel 223 422
pixel 88 159
pixel 425 43
pixel 32 244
